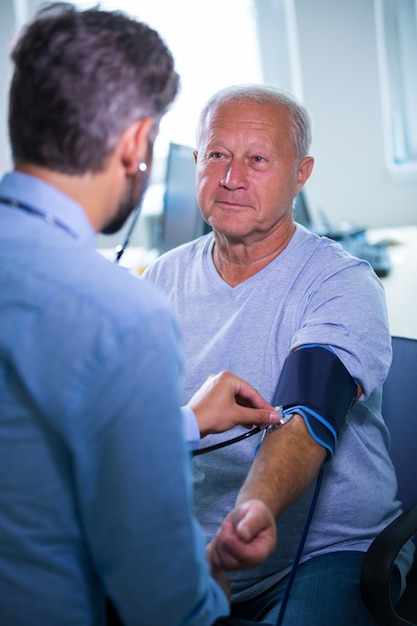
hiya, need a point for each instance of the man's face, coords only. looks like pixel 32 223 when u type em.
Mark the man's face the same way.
pixel 247 170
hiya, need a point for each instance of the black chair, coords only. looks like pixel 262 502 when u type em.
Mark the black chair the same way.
pixel 399 408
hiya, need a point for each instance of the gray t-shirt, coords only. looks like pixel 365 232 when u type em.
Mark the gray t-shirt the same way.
pixel 313 292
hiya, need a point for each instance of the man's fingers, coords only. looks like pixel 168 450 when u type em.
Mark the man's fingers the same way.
pixel 246 537
pixel 248 396
pixel 251 518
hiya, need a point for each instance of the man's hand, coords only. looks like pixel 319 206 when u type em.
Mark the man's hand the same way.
pixel 225 401
pixel 245 539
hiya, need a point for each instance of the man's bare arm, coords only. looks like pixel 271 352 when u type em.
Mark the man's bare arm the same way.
pixel 287 461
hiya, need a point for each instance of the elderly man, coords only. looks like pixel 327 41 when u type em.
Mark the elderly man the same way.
pixel 306 324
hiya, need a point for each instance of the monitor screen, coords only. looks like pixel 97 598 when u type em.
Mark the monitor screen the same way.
pixel 181 219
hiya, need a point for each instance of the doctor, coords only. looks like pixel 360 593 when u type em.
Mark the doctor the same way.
pixel 95 496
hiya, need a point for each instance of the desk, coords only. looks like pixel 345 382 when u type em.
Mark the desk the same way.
pixel 401 283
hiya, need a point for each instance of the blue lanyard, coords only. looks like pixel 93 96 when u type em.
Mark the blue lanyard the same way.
pixel 48 217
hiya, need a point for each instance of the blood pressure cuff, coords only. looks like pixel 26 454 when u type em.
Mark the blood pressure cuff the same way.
pixel 315 384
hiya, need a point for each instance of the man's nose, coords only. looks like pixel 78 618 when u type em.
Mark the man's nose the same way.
pixel 235 176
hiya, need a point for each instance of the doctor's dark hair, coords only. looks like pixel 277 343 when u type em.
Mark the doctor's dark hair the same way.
pixel 80 79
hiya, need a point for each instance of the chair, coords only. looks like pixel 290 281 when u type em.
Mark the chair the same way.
pixel 399 406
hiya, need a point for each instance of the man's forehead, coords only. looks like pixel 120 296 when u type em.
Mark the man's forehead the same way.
pixel 248 112
pixel 248 116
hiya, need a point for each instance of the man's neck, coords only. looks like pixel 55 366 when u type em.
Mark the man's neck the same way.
pixel 236 261
pixel 90 190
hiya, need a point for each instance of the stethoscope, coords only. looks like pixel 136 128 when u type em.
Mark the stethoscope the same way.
pixel 257 429
pixel 227 442
pixel 119 251
pixel 254 431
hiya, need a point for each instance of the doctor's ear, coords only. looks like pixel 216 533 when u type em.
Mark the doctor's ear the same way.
pixel 135 142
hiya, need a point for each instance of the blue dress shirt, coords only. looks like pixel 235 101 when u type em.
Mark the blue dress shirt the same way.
pixel 95 494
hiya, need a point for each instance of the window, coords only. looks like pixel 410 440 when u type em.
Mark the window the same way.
pixel 396 22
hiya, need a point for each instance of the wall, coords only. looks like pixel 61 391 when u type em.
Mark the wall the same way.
pixel 341 85
pixel 325 51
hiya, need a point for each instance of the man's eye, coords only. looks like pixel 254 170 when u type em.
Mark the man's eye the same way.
pixel 259 159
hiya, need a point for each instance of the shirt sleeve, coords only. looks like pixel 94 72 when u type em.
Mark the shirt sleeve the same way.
pixel 347 311
pixel 192 430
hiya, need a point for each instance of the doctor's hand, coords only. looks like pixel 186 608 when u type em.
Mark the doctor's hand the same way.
pixel 225 401
pixel 246 538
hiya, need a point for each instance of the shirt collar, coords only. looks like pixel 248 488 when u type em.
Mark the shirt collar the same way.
pixel 46 198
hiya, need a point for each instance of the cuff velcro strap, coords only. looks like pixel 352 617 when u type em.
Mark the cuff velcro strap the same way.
pixel 316 384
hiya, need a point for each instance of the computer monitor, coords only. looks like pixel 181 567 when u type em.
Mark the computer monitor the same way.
pixel 181 220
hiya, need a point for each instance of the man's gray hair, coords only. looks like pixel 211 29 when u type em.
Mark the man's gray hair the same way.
pixel 264 94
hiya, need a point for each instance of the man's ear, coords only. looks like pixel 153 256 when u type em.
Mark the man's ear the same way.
pixel 304 171
pixel 134 144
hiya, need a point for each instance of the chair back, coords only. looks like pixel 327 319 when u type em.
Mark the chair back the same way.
pixel 399 409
